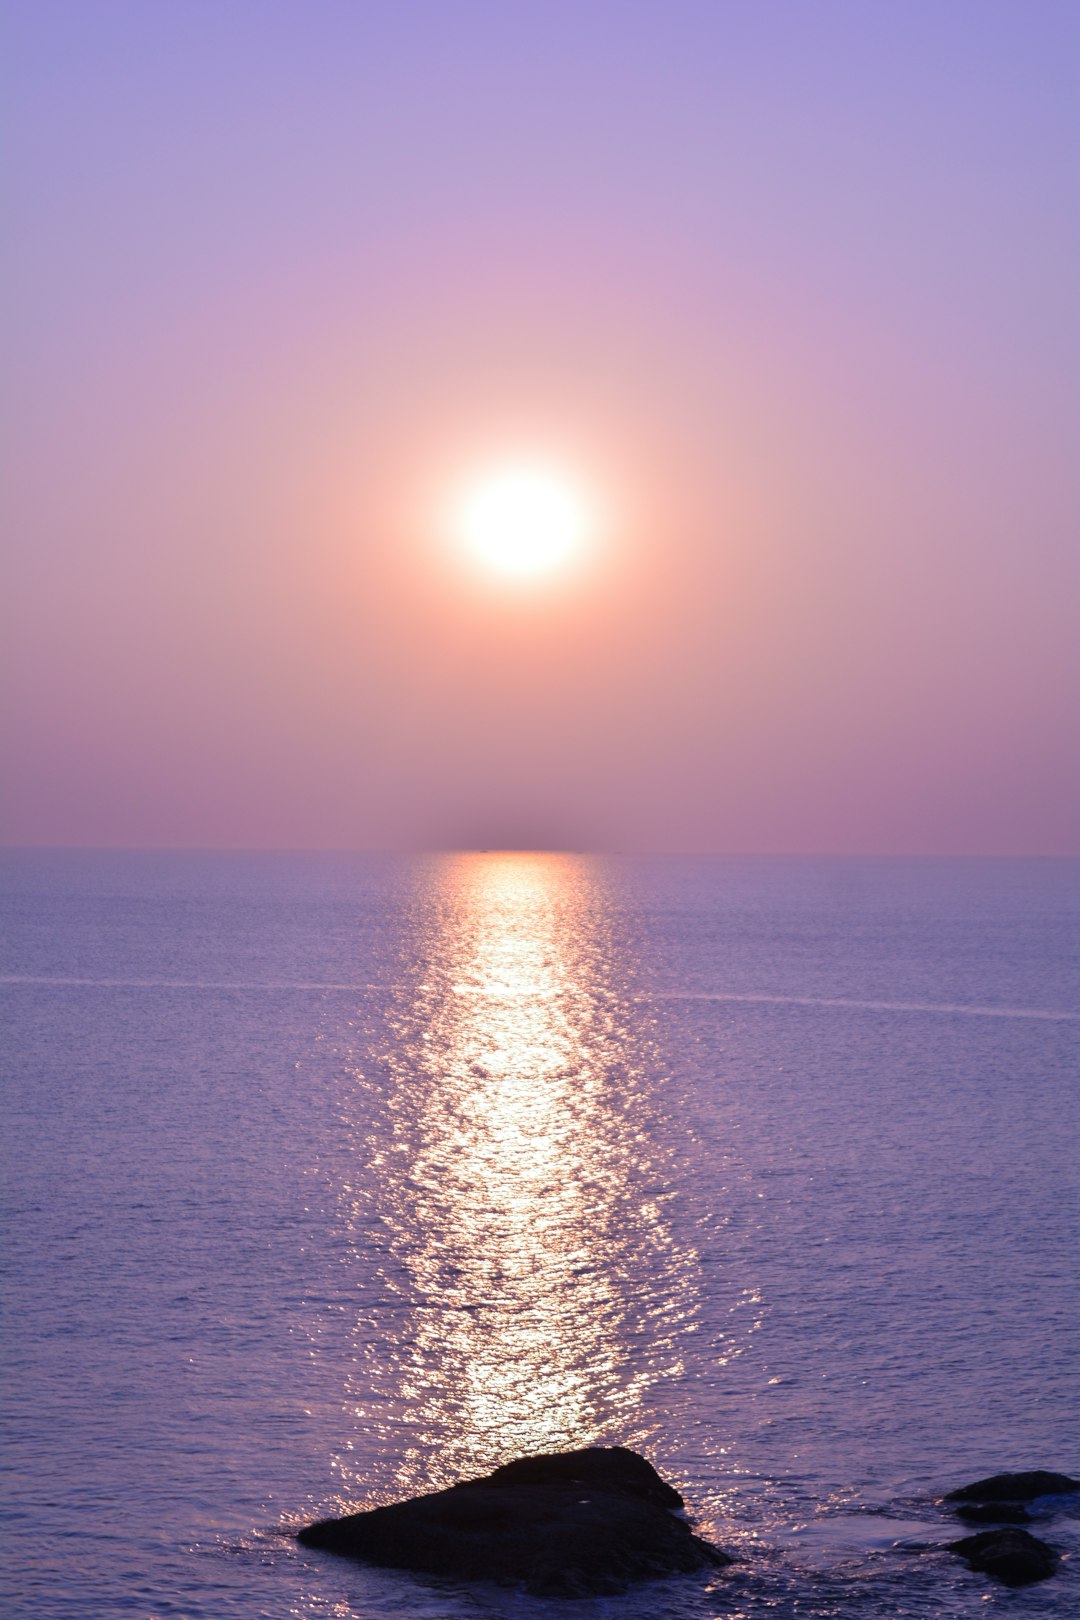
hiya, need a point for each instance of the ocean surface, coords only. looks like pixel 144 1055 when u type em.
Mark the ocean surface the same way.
pixel 329 1179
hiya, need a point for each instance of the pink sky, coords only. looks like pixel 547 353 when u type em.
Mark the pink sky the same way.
pixel 791 287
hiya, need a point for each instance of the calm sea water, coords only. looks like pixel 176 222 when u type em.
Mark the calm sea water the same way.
pixel 330 1179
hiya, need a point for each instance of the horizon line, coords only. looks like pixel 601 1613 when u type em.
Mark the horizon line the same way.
pixel 658 853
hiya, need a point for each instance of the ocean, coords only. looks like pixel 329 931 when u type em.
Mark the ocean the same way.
pixel 329 1179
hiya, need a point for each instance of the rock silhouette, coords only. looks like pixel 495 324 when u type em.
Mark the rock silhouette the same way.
pixel 1011 1556
pixel 993 1513
pixel 571 1524
pixel 1022 1487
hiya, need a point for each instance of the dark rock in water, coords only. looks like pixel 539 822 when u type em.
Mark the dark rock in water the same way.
pixel 993 1513
pixel 609 1468
pixel 1011 1556
pixel 1015 1487
pixel 572 1524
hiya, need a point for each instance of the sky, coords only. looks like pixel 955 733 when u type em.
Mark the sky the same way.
pixel 786 289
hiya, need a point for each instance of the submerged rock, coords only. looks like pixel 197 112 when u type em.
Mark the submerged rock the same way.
pixel 1011 1556
pixel 571 1524
pixel 993 1513
pixel 1015 1487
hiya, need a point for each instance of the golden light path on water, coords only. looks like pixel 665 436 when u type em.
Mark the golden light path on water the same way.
pixel 529 1292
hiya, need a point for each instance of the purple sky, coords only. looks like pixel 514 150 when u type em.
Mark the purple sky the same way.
pixel 790 284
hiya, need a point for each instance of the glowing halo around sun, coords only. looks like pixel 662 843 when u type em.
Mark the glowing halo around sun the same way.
pixel 524 522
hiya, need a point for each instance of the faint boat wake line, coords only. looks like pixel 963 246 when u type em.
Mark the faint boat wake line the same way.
pixel 499 992
pixel 186 984
pixel 947 1007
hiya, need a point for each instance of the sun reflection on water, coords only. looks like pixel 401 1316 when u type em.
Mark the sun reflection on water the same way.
pixel 531 1289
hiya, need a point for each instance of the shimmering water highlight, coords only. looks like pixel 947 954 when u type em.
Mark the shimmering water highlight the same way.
pixel 330 1178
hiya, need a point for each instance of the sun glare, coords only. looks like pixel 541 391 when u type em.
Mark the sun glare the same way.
pixel 524 522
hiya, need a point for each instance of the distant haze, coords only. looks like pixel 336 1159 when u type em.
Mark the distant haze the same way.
pixel 789 286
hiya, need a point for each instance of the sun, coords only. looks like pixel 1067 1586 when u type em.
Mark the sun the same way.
pixel 524 521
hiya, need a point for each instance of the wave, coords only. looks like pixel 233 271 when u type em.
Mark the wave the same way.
pixel 949 1008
